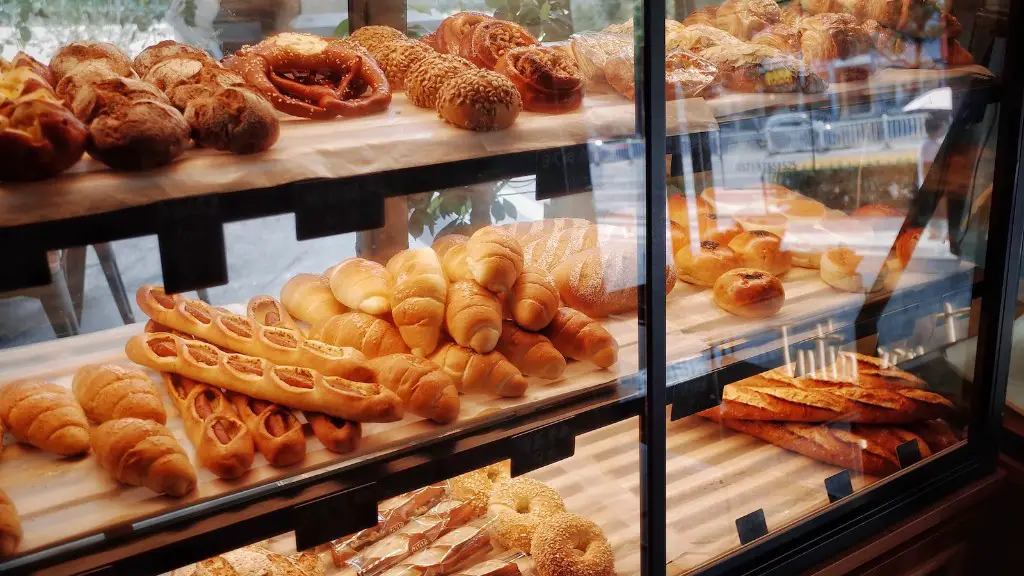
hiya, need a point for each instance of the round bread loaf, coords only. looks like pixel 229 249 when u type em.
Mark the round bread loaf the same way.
pixel 138 136
pixel 167 50
pixel 70 56
pixel 703 264
pixel 762 250
pixel 749 293
pixel 234 119
pixel 425 79
pixel 479 100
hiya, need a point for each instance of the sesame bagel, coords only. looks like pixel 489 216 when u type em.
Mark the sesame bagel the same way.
pixel 570 545
pixel 519 505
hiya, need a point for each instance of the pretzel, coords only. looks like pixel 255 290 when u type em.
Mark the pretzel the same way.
pixel 314 77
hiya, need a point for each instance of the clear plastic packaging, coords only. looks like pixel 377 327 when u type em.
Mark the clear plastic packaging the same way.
pixel 513 563
pixel 464 545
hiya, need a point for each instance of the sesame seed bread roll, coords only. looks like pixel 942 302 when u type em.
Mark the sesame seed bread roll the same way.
pixel 451 250
pixel 531 352
pixel 309 298
pixel 473 317
pixel 472 372
pixel 533 299
pixel 399 58
pixel 376 39
pixel 370 335
pixel 362 284
pixel 495 258
pixel 425 79
pixel 580 337
pixel 418 300
pixel 479 100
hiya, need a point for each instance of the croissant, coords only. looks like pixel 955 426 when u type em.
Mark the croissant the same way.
pixel 489 373
pixel 533 300
pixel 495 258
pixel 308 297
pixel 46 416
pixel 369 334
pixel 110 391
pixel 10 527
pixel 418 299
pixel 425 389
pixel 473 316
pixel 143 453
pixel 451 250
pixel 362 284
pixel 532 353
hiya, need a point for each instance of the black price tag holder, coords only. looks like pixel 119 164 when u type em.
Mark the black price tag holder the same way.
pixel 908 453
pixel 838 486
pixel 563 171
pixel 752 526
pixel 191 244
pixel 335 515
pixel 541 447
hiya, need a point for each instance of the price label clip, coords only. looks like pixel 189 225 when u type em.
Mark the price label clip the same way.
pixel 752 526
pixel 838 486
pixel 541 447
pixel 908 453
pixel 335 515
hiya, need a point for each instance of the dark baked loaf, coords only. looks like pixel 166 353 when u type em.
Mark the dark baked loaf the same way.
pixel 101 97
pixel 166 50
pixel 234 119
pixel 138 136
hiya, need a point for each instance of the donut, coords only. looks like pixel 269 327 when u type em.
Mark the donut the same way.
pixel 424 81
pixel 749 293
pixel 570 545
pixel 479 100
pixel 762 250
pixel 703 265
pixel 519 505
pixel 476 486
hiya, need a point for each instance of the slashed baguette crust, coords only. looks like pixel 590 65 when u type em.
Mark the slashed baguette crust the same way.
pixel 357 398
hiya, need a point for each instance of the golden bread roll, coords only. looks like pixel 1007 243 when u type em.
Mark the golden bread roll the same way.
pixel 369 334
pixel 337 435
pixel 580 337
pixel 362 284
pixel 425 79
pixel 44 415
pixel 754 220
pixel 10 526
pixel 704 263
pixel 762 250
pixel 418 299
pixel 473 372
pixel 716 228
pixel 495 258
pixel 309 298
pixel 749 293
pixel 451 250
pixel 846 270
pixel 479 100
pixel 111 391
pixel 473 316
pixel 533 299
pixel 143 453
pixel 268 311
pixel 275 430
pixel 531 352
pixel 425 389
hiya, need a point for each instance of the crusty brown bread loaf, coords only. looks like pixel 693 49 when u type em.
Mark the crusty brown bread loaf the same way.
pixel 10 526
pixel 549 250
pixel 533 299
pixel 451 250
pixel 531 352
pixel 69 56
pixel 425 389
pixel 111 391
pixel 418 299
pixel 143 453
pixel 580 337
pixel 472 372
pixel 473 316
pixel 44 415
pixel 235 119
pixel 369 334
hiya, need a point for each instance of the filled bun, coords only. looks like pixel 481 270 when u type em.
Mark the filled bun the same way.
pixel 749 293
pixel 705 263
pixel 717 229
pixel 679 236
pixel 844 269
pixel 762 250
pixel 774 223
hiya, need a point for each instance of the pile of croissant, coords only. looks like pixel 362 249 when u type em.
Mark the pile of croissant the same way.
pixel 130 115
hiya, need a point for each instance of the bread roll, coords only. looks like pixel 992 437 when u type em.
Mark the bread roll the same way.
pixel 10 526
pixel 495 258
pixel 479 100
pixel 533 299
pixel 362 285
pixel 146 134
pixel 235 119
pixel 44 415
pixel 418 299
pixel 473 316
pixel 703 264
pixel 762 250
pixel 472 372
pixel 110 391
pixel 844 269
pixel 451 250
pixel 601 282
pixel 309 298
pixel 749 293
pixel 275 430
pixel 71 55
pixel 424 388
pixel 580 337
pixel 167 50
pixel 370 335
pixel 143 453
pixel 531 352
pixel 711 226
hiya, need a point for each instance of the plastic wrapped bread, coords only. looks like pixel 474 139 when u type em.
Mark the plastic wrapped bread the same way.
pixel 463 545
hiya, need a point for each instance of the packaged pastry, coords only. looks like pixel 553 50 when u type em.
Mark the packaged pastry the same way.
pixel 593 49
pixel 459 547
pixel 513 563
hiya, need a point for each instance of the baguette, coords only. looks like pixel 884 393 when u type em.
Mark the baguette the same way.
pixel 276 432
pixel 527 232
pixel 533 299
pixel 46 416
pixel 418 299
pixel 279 346
pixel 495 258
pixel 223 445
pixel 363 285
pixel 337 435
pixel 531 352
pixel 309 298
pixel 424 388
pixel 870 374
pixel 267 311
pixel 143 453
pixel 473 317
pixel 368 334
pixel 10 526
pixel 301 388
pixel 451 250
pixel 580 337
pixel 109 391
pixel 600 282
pixel 489 373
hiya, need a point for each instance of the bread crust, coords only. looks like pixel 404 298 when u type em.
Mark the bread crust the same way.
pixel 749 293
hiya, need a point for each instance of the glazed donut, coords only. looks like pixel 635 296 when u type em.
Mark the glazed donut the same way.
pixel 424 81
pixel 548 79
pixel 479 100
pixel 570 545
pixel 705 264
pixel 519 505
pixel 762 250
pixel 491 40
pixel 451 31
pixel 475 487
pixel 749 293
